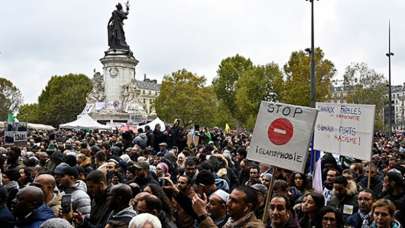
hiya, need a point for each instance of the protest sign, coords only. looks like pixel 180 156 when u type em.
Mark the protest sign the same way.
pixel 281 135
pixel 15 133
pixel 345 129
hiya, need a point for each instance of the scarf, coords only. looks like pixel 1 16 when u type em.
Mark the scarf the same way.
pixel 238 223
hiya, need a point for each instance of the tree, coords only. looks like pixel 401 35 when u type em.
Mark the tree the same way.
pixel 297 84
pixel 28 113
pixel 10 98
pixel 228 74
pixel 365 86
pixel 183 96
pixel 61 101
pixel 252 88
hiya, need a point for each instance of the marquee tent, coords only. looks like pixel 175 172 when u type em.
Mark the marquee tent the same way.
pixel 153 123
pixel 84 122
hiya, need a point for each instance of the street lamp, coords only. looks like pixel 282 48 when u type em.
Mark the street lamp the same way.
pixel 313 78
pixel 389 54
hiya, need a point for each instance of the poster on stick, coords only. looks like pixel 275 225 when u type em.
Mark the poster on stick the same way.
pixel 281 135
pixel 345 129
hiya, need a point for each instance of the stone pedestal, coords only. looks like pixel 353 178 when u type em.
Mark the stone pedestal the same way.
pixel 119 69
pixel 115 95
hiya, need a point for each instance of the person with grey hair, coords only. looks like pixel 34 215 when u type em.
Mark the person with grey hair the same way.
pixel 56 223
pixel 143 220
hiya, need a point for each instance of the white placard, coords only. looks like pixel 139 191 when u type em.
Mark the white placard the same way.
pixel 281 135
pixel 15 133
pixel 345 129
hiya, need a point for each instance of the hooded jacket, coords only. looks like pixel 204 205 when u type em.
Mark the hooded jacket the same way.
pixel 36 218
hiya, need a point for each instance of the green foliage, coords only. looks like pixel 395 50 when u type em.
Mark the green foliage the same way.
pixel 28 113
pixel 183 96
pixel 297 84
pixel 10 98
pixel 252 88
pixel 365 86
pixel 61 101
pixel 228 74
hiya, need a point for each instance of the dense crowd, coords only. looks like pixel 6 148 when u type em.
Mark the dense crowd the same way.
pixel 189 178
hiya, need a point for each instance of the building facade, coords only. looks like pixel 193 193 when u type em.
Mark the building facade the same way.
pixel 149 91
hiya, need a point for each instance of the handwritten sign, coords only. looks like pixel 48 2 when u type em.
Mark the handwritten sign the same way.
pixel 281 135
pixel 345 129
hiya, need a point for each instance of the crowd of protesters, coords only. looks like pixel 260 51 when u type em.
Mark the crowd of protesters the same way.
pixel 189 178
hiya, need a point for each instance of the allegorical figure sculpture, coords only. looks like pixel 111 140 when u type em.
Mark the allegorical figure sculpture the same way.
pixel 116 34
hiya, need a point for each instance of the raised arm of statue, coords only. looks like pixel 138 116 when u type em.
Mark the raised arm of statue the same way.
pixel 127 6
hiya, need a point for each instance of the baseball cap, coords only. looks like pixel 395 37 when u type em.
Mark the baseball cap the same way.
pixel 59 168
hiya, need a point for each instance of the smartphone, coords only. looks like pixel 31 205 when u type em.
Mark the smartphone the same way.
pixel 66 203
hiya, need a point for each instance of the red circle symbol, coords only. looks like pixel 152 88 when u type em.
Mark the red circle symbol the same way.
pixel 280 131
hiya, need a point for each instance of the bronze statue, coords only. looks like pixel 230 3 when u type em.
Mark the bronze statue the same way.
pixel 116 34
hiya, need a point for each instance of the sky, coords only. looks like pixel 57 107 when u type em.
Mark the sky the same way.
pixel 42 38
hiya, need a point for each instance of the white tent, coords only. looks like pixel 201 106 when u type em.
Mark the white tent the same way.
pixel 84 122
pixel 153 123
pixel 32 126
pixel 40 127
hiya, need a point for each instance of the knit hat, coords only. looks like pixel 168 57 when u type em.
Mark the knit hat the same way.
pixel 51 148
pixel 125 157
pixel 56 223
pixel 222 194
pixel 260 188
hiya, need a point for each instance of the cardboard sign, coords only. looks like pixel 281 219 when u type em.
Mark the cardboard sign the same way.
pixel 345 129
pixel 282 134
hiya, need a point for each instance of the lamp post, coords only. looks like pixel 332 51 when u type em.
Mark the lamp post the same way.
pixel 389 54
pixel 313 78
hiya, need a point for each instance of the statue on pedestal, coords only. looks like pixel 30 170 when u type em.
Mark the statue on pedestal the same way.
pixel 97 94
pixel 116 34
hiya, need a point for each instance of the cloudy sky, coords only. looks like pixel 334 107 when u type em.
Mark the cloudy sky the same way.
pixel 41 38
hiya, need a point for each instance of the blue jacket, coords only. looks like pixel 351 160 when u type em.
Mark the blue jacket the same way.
pixel 38 216
pixel 7 219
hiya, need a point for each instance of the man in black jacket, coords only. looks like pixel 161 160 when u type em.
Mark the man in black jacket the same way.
pixel 344 202
pixel 98 190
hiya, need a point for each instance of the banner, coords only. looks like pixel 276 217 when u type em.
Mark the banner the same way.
pixel 282 134
pixel 345 129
